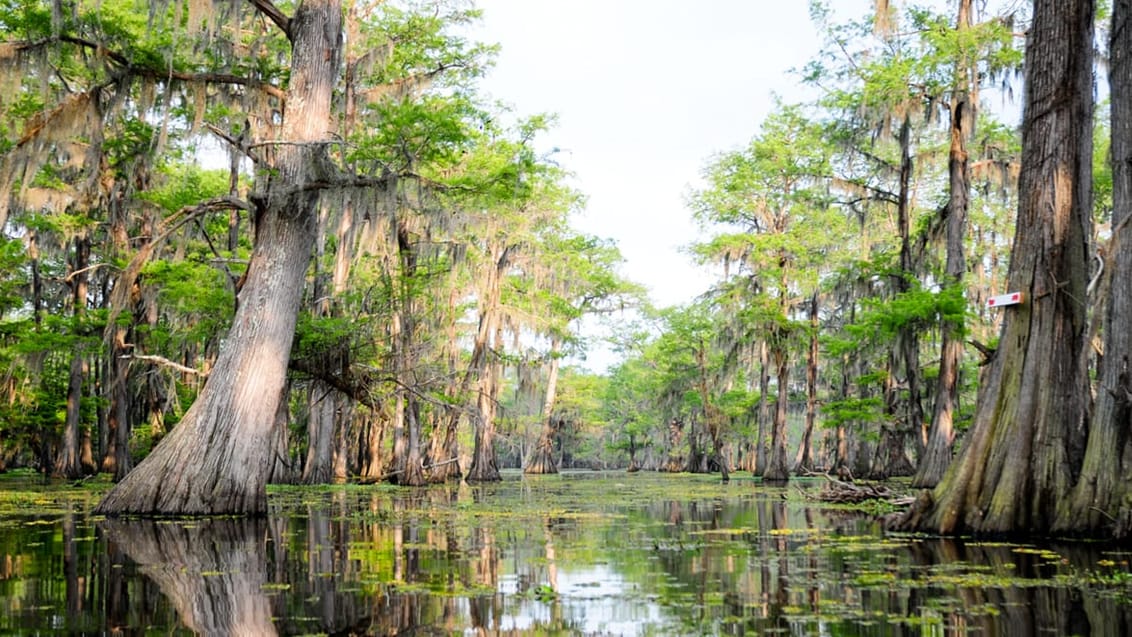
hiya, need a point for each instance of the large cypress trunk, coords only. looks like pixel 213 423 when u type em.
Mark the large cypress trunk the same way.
pixel 891 457
pixel 444 450
pixel 218 459
pixel 1027 442
pixel 674 463
pixel 407 453
pixel 1100 501
pixel 326 414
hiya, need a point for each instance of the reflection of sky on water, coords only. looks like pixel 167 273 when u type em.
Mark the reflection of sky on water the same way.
pixel 654 560
pixel 593 600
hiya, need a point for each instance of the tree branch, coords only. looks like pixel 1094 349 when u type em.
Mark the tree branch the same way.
pixel 161 360
pixel 347 383
pixel 161 74
pixel 272 12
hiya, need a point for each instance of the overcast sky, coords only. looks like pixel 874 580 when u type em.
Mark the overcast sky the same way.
pixel 646 91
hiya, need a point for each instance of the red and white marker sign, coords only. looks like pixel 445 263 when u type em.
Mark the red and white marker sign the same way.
pixel 1013 298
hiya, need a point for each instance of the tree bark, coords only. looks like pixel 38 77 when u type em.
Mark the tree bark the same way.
pixel 762 438
pixel 323 404
pixel 407 454
pixel 282 468
pixel 68 464
pixel 542 458
pixel 116 458
pixel 804 460
pixel 937 454
pixel 371 442
pixel 1100 502
pixel 907 417
pixel 1024 451
pixel 674 463
pixel 217 460
pixel 444 452
pixel 713 418
pixel 891 457
pixel 778 468
pixel 483 466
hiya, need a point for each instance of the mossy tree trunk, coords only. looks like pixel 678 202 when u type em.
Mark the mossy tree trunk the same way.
pixel 1101 503
pixel 484 467
pixel 941 434
pixel 804 459
pixel 778 466
pixel 370 444
pixel 674 463
pixel 713 417
pixel 542 457
pixel 1023 453
pixel 902 387
pixel 762 436
pixel 891 458
pixel 68 464
pixel 488 368
pixel 217 460
pixel 444 448
pixel 325 412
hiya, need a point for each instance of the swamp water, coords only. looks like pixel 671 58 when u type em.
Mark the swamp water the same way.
pixel 573 554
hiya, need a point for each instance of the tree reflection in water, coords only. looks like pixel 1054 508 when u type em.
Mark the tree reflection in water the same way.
pixel 631 555
pixel 212 570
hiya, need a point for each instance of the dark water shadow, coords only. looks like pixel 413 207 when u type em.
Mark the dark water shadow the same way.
pixel 212 571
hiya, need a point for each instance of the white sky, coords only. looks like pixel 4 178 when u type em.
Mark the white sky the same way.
pixel 646 91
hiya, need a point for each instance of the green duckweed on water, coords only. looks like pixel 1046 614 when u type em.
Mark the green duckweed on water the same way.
pixel 574 553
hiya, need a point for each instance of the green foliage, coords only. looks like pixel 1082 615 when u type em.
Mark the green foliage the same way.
pixel 737 403
pixel 433 132
pixel 422 40
pixel 185 185
pixel 917 309
pixel 196 301
pixel 848 411
pixel 13 276
pixel 1102 168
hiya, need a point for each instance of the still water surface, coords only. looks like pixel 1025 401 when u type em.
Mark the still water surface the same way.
pixel 574 554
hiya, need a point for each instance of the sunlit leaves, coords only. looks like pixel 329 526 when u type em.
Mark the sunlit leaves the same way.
pixel 186 185
pixel 429 133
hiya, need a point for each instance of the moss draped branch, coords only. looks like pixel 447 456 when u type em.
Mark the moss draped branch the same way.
pixel 134 69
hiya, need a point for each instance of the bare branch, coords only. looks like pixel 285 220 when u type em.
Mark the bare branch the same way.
pixel 165 362
pixel 71 277
pixel 239 143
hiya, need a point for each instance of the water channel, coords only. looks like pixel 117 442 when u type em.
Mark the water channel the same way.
pixel 572 554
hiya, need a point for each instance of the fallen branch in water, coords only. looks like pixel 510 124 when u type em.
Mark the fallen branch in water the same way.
pixel 838 492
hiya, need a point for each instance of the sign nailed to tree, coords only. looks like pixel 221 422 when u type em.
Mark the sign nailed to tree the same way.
pixel 1013 298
